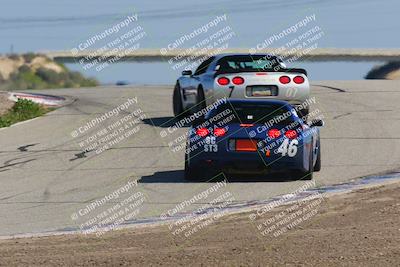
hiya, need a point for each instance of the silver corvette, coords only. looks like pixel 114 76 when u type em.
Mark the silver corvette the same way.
pixel 244 76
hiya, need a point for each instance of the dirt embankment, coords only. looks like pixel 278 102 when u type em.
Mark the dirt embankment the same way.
pixel 35 71
pixel 11 64
pixel 5 104
pixel 356 229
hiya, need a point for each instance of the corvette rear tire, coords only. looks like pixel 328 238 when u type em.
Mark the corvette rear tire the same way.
pixel 317 166
pixel 190 173
pixel 201 99
pixel 303 175
pixel 197 173
pixel 177 101
pixel 307 175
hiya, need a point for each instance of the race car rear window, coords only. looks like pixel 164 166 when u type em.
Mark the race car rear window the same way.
pixel 203 66
pixel 248 63
pixel 251 113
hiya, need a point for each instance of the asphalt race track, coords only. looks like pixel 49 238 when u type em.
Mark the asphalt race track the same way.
pixel 45 177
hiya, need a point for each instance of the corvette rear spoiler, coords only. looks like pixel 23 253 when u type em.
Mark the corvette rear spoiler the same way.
pixel 302 71
pixel 291 70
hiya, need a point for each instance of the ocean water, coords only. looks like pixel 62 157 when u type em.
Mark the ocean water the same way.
pixel 44 25
pixel 155 73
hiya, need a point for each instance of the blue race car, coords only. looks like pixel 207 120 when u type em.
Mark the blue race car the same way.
pixel 255 137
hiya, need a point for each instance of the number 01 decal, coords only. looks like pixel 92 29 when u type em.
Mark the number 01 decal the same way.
pixel 288 148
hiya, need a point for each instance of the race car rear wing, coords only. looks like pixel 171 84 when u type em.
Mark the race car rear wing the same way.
pixel 302 71
pixel 291 70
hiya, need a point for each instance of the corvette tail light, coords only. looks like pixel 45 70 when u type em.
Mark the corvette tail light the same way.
pixel 274 133
pixel 298 80
pixel 238 80
pixel 291 134
pixel 223 81
pixel 202 132
pixel 284 79
pixel 219 132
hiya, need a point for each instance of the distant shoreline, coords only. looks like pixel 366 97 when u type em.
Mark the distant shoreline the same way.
pixel 154 55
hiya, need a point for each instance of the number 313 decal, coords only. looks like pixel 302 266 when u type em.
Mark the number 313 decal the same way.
pixel 288 148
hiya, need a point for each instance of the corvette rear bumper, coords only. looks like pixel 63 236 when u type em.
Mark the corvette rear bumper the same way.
pixel 251 163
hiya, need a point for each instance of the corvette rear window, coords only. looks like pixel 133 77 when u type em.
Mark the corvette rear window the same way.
pixel 247 63
pixel 253 113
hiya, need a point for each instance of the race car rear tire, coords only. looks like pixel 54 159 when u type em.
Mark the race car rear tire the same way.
pixel 307 175
pixel 201 99
pixel 177 101
pixel 303 175
pixel 196 173
pixel 317 166
pixel 189 173
pixel 192 173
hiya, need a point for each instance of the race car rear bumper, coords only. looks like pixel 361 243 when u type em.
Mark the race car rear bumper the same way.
pixel 249 163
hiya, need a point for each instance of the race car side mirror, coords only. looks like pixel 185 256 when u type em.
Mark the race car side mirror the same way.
pixel 317 123
pixel 186 72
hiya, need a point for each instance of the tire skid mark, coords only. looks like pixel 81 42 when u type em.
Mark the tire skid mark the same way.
pixel 341 115
pixel 340 90
pixel 10 163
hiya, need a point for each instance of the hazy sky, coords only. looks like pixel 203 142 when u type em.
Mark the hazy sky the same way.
pixel 57 25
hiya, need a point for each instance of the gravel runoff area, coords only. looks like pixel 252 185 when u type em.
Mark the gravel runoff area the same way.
pixel 361 228
pixel 5 104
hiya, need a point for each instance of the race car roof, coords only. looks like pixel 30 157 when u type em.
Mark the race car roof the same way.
pixel 219 56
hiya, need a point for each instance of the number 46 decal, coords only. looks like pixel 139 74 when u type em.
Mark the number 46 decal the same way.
pixel 288 148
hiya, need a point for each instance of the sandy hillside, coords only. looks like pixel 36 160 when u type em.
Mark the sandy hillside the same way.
pixel 9 65
pixel 5 104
